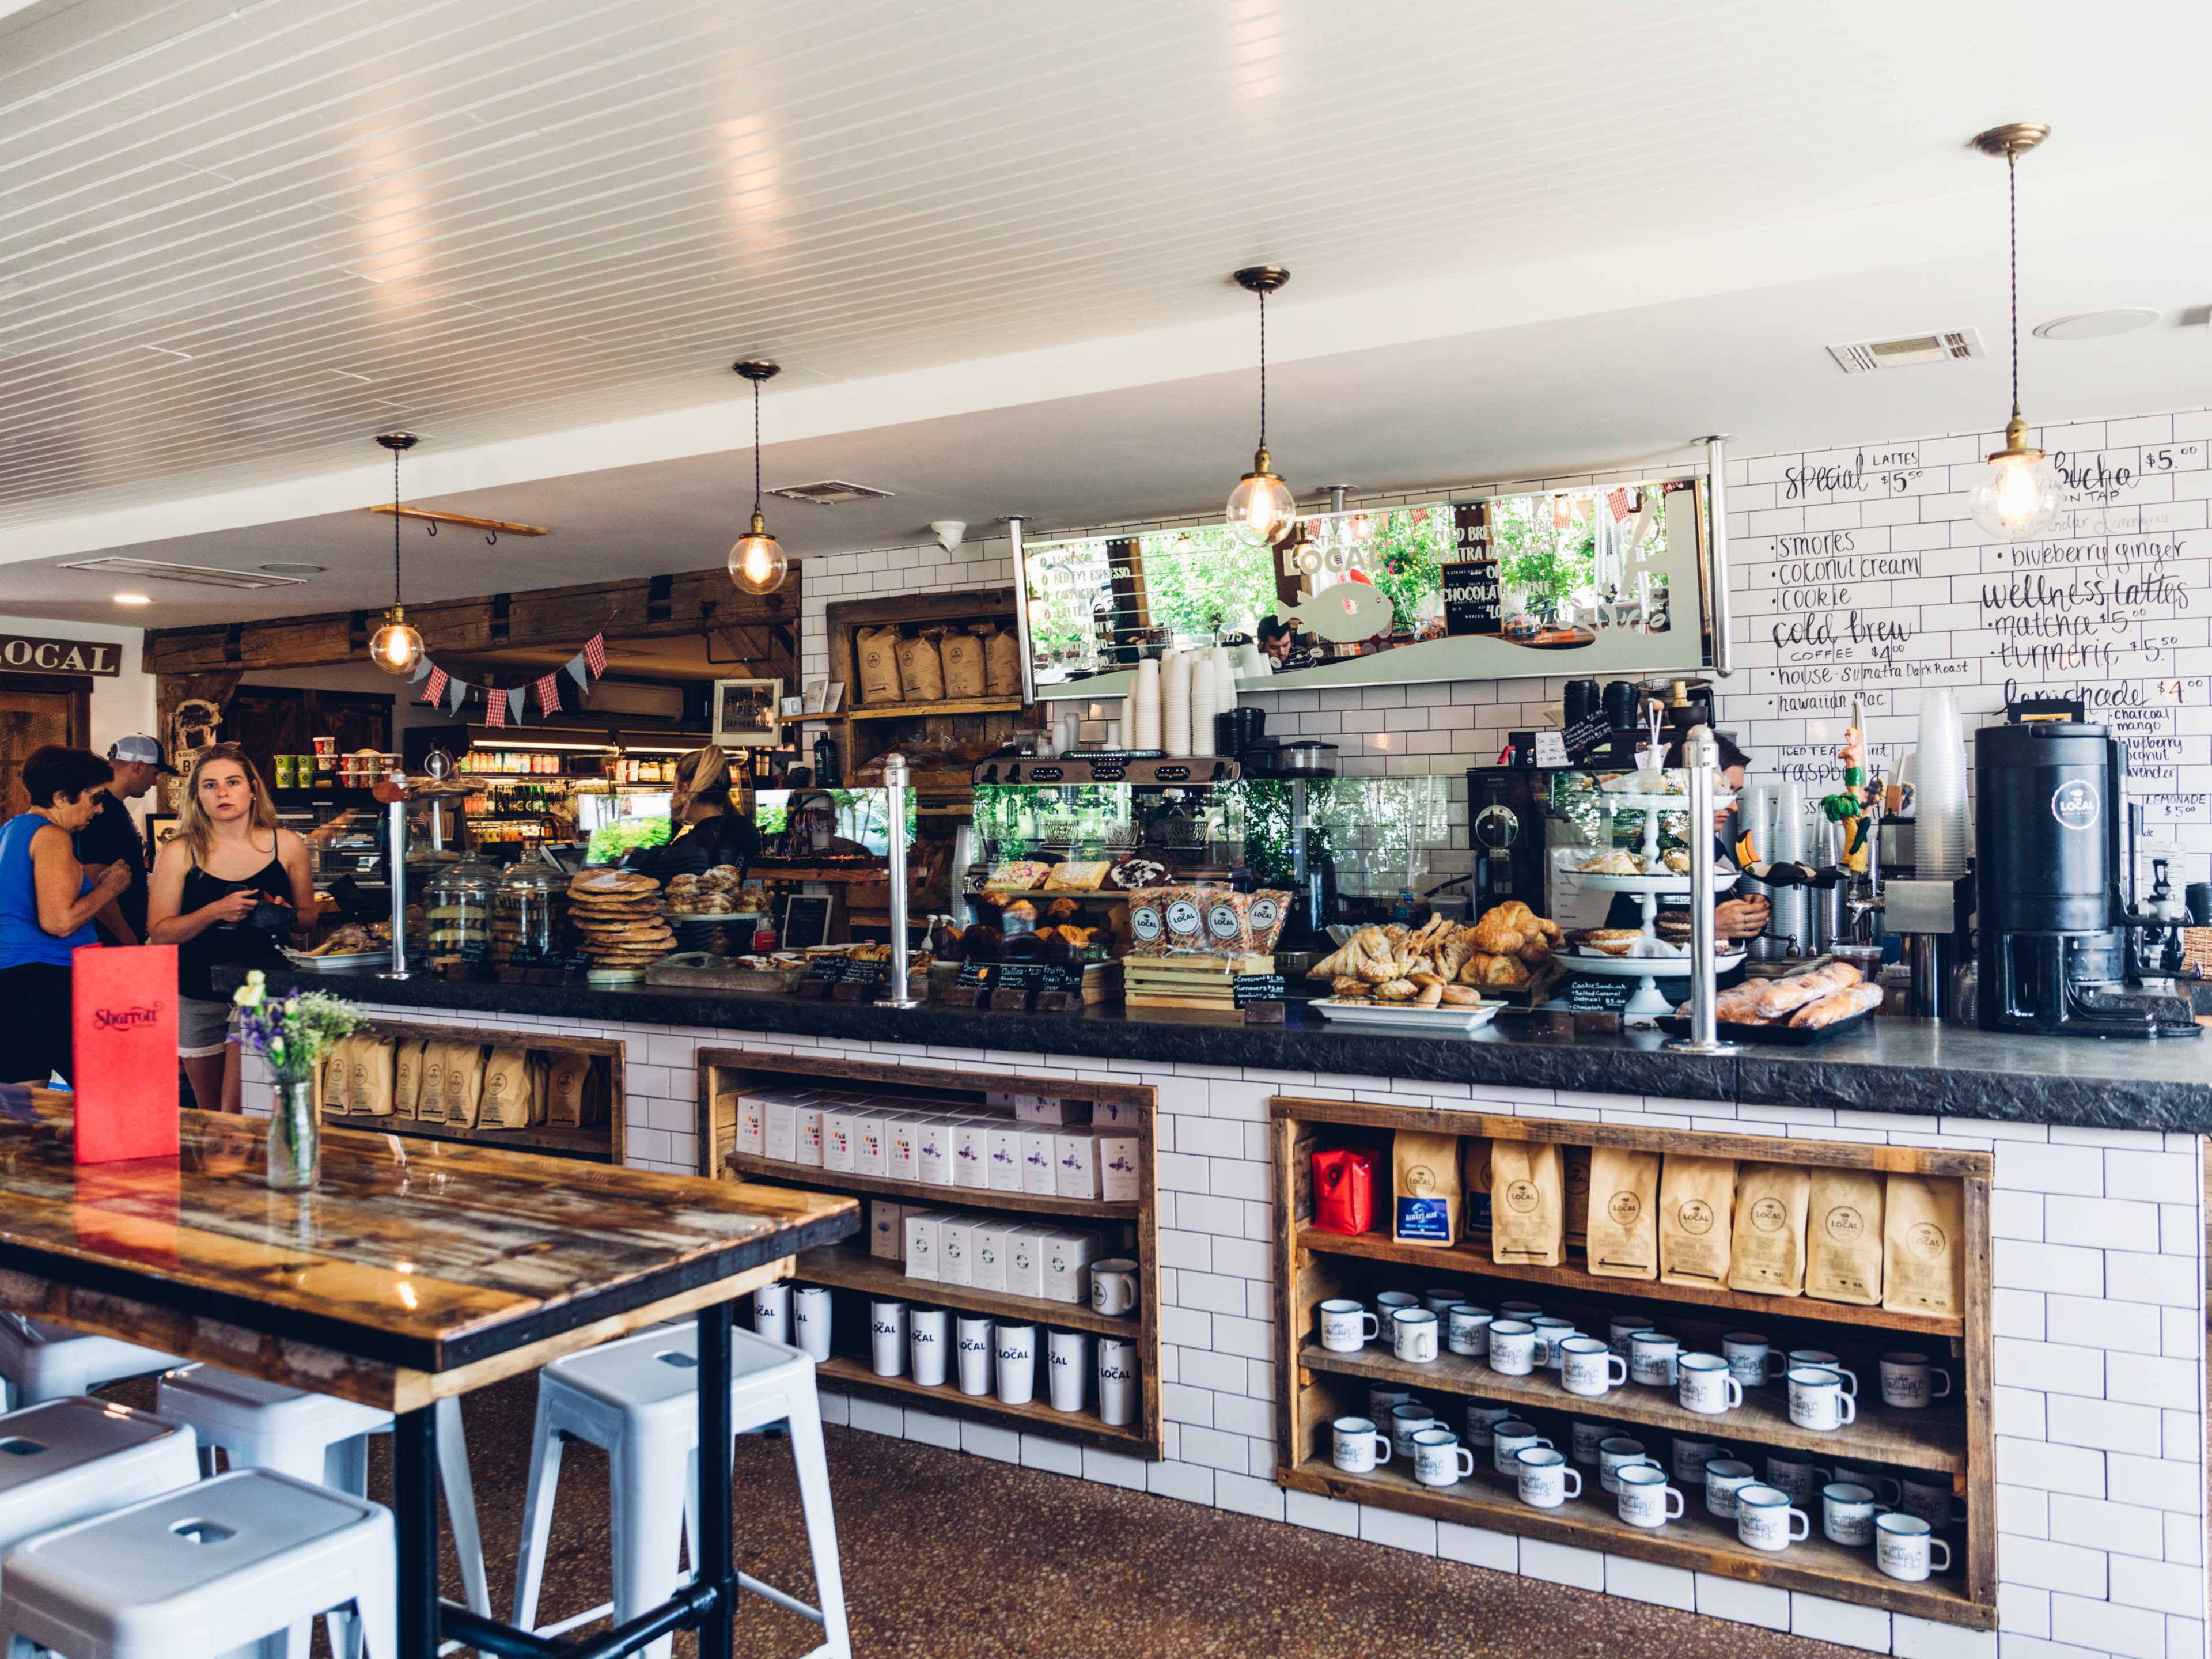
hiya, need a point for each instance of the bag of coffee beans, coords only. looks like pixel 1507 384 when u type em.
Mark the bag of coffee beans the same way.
pixel 1002 664
pixel 335 1078
pixel 506 1101
pixel 431 1101
pixel 1924 1263
pixel 1697 1215
pixel 1575 1180
pixel 1424 1188
pixel 406 1078
pixel 1843 1236
pixel 1623 1240
pixel 464 1069
pixel 1526 1214
pixel 875 652
pixel 1768 1256
pixel 962 654
pixel 368 1077
pixel 921 670
pixel 1474 1186
pixel 541 1083
pixel 565 1101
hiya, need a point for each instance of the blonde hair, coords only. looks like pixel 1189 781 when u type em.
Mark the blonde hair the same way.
pixel 704 774
pixel 194 827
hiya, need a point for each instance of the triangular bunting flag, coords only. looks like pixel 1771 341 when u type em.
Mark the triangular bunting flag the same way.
pixel 421 670
pixel 517 702
pixel 436 693
pixel 494 708
pixel 577 671
pixel 457 693
pixel 549 694
pixel 595 652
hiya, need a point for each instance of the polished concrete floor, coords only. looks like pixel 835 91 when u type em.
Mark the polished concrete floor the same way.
pixel 948 1556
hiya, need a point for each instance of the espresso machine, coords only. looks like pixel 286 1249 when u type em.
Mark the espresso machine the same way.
pixel 2059 949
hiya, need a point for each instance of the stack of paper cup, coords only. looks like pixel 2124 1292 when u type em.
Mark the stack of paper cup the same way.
pixel 1174 702
pixel 1145 700
pixel 1205 702
pixel 1940 787
pixel 1225 675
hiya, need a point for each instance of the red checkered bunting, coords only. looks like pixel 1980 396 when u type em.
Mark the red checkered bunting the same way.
pixel 1618 500
pixel 494 708
pixel 595 652
pixel 434 692
pixel 549 694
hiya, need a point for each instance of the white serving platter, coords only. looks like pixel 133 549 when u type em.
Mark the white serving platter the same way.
pixel 1444 1020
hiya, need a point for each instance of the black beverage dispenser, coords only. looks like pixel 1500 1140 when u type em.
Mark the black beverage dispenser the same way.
pixel 2054 945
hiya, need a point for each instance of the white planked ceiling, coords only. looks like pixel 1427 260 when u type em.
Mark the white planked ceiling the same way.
pixel 236 240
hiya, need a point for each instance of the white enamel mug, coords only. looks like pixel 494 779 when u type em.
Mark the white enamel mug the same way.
pixel 1413 1335
pixel 1651 1356
pixel 1588 1367
pixel 1587 1438
pixel 1817 1399
pixel 1848 1513
pixel 1512 1347
pixel 1466 1330
pixel 1751 1357
pixel 1546 1481
pixel 1618 1452
pixel 1387 1303
pixel 1521 1310
pixel 1706 1384
pixel 1482 1421
pixel 1933 1501
pixel 1621 1328
pixel 1886 1488
pixel 1346 1327
pixel 1724 1478
pixel 1114 1286
pixel 1911 1381
pixel 1438 1300
pixel 929 1336
pixel 1382 1399
pixel 1691 1457
pixel 1017 1365
pixel 1439 1459
pixel 1766 1520
pixel 887 1338
pixel 1827 1362
pixel 1645 1499
pixel 1358 1446
pixel 1904 1547
pixel 1405 1421
pixel 1508 1440
pixel 1550 1332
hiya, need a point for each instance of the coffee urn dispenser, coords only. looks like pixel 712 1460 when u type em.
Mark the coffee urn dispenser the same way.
pixel 2054 952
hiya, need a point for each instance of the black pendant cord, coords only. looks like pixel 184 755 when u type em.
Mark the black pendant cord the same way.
pixel 395 529
pixel 756 470
pixel 2012 198
pixel 1263 369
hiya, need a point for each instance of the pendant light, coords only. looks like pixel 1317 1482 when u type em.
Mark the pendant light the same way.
pixel 1260 509
pixel 2018 495
pixel 396 647
pixel 757 562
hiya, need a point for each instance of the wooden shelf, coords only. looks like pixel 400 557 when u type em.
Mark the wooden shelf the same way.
pixel 1472 1259
pixel 857 1270
pixel 889 711
pixel 1698 1542
pixel 1916 1440
pixel 856 1376
pixel 595 1142
pixel 977 1198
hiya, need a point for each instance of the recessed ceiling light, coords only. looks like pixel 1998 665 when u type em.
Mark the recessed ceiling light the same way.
pixel 281 569
pixel 133 598
pixel 2097 324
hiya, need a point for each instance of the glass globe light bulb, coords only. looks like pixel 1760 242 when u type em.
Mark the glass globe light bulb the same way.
pixel 757 563
pixel 1260 509
pixel 2018 495
pixel 396 647
pixel 1306 560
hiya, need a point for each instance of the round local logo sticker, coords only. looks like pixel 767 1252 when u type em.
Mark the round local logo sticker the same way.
pixel 1145 922
pixel 1183 919
pixel 1845 1225
pixel 1695 1217
pixel 2074 804
pixel 1926 1239
pixel 1769 1215
pixel 1520 1196
pixel 1624 1208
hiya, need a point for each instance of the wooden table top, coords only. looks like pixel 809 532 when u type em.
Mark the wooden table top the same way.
pixel 424 1255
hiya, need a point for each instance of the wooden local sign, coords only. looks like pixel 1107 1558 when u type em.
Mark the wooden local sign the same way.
pixel 25 654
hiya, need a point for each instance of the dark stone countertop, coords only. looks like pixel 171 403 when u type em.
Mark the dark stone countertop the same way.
pixel 1888 1065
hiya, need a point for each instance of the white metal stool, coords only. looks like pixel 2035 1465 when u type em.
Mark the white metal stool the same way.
pixel 321 1439
pixel 196 1573
pixel 41 1362
pixel 71 1459
pixel 636 1399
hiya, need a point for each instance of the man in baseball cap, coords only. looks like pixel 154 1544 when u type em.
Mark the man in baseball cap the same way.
pixel 112 836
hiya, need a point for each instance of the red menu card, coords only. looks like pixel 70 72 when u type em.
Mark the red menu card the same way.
pixel 125 1027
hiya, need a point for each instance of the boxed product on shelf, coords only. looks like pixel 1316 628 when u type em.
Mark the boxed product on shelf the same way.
pixel 932 1156
pixel 1025 1260
pixel 872 1141
pixel 806 1135
pixel 971 1153
pixel 780 1133
pixel 837 1139
pixel 747 1113
pixel 902 1146
pixel 886 1230
pixel 1114 1115
pixel 1118 1180
pixel 991 1243
pixel 956 1256
pixel 1006 1160
pixel 1040 1161
pixel 1067 1258
pixel 1075 1160
pixel 925 1238
pixel 1050 1110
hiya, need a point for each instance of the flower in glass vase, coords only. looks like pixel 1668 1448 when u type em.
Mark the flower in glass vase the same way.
pixel 295 1033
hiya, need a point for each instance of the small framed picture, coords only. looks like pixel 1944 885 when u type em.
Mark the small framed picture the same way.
pixel 833 696
pixel 793 707
pixel 162 829
pixel 746 713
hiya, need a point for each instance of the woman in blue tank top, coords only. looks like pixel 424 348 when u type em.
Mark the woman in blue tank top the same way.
pixel 47 902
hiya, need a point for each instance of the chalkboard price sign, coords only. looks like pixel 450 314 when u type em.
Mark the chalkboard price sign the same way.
pixel 1020 976
pixel 1474 603
pixel 976 974
pixel 1588 736
pixel 805 920
pixel 1589 994
pixel 1249 988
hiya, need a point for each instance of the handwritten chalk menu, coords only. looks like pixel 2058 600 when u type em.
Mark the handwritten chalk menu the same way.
pixel 1474 596
pixel 1861 574
pixel 806 920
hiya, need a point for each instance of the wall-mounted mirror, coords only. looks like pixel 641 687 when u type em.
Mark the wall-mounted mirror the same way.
pixel 1601 579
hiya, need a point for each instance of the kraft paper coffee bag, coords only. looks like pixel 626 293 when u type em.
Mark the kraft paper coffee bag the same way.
pixel 1424 1189
pixel 921 670
pixel 335 1079
pixel 1924 1263
pixel 464 1069
pixel 1474 1186
pixel 1002 664
pixel 1623 1241
pixel 1768 1256
pixel 368 1077
pixel 505 1103
pixel 965 675
pixel 565 1097
pixel 1696 1216
pixel 406 1078
pixel 1844 1237
pixel 1527 1213
pixel 1574 1185
pixel 430 1100
pixel 875 652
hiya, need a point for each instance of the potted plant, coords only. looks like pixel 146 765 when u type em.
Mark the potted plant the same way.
pixel 296 1033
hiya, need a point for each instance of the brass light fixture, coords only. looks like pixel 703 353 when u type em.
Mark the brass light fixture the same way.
pixel 758 564
pixel 1260 509
pixel 2018 495
pixel 396 647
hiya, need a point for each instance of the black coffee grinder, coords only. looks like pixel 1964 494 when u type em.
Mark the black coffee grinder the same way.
pixel 2059 948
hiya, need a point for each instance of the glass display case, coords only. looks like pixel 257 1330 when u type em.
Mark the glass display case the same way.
pixel 528 911
pixel 457 910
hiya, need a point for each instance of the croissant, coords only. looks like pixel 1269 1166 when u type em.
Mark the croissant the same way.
pixel 1536 951
pixel 1348 989
pixel 1497 937
pixel 1508 973
pixel 1422 977
pixel 1397 990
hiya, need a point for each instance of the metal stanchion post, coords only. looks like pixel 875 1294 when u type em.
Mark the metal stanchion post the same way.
pixel 1700 750
pixel 895 779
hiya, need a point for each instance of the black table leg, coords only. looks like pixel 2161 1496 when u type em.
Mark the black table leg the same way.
pixel 716 1635
pixel 415 1518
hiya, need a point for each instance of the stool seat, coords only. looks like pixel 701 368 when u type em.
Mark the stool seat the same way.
pixel 195 1573
pixel 210 1398
pixel 41 1362
pixel 69 1460
pixel 661 1368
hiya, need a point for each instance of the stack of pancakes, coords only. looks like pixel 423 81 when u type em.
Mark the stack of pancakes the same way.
pixel 618 913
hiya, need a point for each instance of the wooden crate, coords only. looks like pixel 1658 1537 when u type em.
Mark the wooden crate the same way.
pixel 600 1142
pixel 1187 981
pixel 1955 1442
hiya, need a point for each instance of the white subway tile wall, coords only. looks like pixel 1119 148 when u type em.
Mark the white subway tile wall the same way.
pixel 2099 1382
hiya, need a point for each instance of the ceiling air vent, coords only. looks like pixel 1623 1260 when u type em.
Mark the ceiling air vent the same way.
pixel 830 492
pixel 198 575
pixel 1868 355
